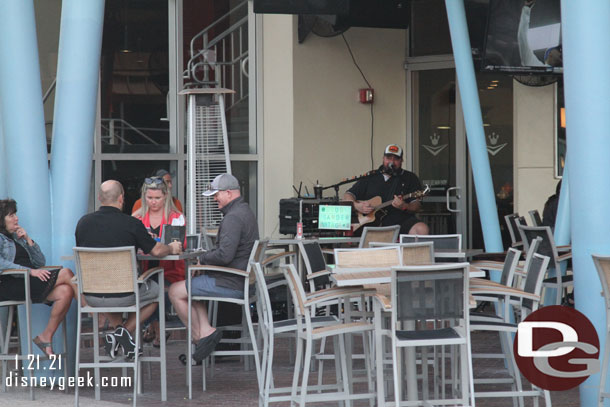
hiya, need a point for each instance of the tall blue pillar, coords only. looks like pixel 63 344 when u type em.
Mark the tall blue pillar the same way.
pixel 562 220
pixel 481 170
pixel 586 58
pixel 23 120
pixel 80 44
pixel 3 168
pixel 23 132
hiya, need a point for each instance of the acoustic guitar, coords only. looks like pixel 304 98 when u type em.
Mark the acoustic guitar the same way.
pixel 378 212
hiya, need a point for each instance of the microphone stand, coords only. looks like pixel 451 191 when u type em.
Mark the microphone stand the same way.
pixel 347 181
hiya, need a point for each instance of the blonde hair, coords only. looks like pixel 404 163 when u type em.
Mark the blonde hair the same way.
pixel 169 206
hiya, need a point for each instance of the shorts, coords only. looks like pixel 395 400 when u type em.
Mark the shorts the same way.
pixel 205 286
pixel 148 291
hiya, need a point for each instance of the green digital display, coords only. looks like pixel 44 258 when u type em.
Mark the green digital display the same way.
pixel 335 217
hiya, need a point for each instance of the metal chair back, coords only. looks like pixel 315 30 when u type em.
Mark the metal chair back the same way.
pixel 387 234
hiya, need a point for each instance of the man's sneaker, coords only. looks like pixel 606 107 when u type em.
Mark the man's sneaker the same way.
pixel 125 341
pixel 110 345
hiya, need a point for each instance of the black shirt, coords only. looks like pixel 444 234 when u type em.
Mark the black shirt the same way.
pixel 109 227
pixel 376 185
pixel 22 257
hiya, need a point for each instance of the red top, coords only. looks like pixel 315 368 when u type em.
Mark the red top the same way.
pixel 173 269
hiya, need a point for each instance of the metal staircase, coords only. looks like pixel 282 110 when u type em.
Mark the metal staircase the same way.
pixel 216 82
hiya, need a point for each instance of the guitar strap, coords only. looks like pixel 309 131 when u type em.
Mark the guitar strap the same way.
pixel 393 189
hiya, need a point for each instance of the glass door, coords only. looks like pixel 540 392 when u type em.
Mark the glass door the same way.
pixel 440 155
pixel 437 137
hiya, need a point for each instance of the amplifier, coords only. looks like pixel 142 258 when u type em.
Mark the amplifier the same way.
pixel 294 210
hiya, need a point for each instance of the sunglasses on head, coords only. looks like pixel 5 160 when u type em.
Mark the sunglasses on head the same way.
pixel 153 180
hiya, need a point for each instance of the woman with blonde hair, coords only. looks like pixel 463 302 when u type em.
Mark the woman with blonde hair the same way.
pixel 158 210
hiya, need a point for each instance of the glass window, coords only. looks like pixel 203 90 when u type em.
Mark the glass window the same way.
pixel 496 96
pixel 429 32
pixel 131 174
pixel 246 173
pixel 135 77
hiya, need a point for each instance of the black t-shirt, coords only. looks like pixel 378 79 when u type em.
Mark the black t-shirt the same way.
pixel 22 257
pixel 109 227
pixel 376 185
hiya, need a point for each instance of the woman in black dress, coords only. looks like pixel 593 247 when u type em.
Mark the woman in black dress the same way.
pixel 18 251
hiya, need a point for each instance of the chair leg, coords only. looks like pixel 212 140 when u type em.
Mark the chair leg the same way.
pixel 96 356
pixel 257 365
pixel 344 370
pixel 305 377
pixel 297 371
pixel 77 356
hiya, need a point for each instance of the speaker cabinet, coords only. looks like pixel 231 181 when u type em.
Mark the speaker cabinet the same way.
pixel 302 6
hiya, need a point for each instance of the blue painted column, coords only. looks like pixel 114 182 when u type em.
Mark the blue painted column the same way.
pixel 481 170
pixel 586 58
pixel 80 44
pixel 562 230
pixel 25 144
pixel 3 168
pixel 562 220
pixel 23 119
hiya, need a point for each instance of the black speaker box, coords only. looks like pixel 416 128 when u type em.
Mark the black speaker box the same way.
pixel 302 6
pixel 376 14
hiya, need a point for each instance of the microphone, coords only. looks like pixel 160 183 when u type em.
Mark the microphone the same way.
pixel 389 170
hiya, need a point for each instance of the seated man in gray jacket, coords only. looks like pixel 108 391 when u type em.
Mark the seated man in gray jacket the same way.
pixel 236 236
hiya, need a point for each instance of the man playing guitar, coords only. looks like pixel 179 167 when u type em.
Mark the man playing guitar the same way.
pixel 390 183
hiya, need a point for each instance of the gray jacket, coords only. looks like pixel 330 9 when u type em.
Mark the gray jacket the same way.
pixel 8 251
pixel 236 235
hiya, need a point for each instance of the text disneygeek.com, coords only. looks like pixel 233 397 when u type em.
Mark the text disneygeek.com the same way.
pixel 60 383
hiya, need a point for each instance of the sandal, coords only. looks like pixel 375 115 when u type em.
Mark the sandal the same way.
pixel 157 342
pixel 149 334
pixel 43 346
pixel 182 358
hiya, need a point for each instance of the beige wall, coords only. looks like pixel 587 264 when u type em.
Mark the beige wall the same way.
pixel 534 132
pixel 332 130
pixel 314 127
pixel 278 116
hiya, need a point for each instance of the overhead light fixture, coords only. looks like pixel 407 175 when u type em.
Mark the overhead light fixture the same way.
pixel 486 124
pixel 562 117
pixel 495 81
pixel 443 127
pixel 491 87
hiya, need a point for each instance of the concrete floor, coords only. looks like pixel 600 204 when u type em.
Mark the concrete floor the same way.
pixel 231 385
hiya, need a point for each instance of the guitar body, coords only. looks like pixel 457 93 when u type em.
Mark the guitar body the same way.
pixel 373 218
pixel 376 216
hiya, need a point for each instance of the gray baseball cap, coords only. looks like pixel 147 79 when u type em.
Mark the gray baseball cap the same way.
pixel 223 182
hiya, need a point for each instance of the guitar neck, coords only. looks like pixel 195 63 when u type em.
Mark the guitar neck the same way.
pixel 388 203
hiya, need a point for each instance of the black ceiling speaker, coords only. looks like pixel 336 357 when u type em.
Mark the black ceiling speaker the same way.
pixel 302 6
pixel 376 14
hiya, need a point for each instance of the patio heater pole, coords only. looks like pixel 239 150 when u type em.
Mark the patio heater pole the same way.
pixel 586 42
pixel 477 146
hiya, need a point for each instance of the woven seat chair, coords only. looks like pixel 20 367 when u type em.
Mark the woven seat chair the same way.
pixel 387 234
pixel 372 258
pixel 114 270
pixel 412 253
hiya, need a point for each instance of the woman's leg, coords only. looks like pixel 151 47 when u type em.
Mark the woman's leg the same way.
pixel 65 277
pixel 61 296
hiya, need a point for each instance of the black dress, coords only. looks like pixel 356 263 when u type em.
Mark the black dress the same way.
pixel 12 288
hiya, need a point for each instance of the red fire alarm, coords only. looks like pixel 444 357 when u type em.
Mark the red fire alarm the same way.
pixel 366 95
